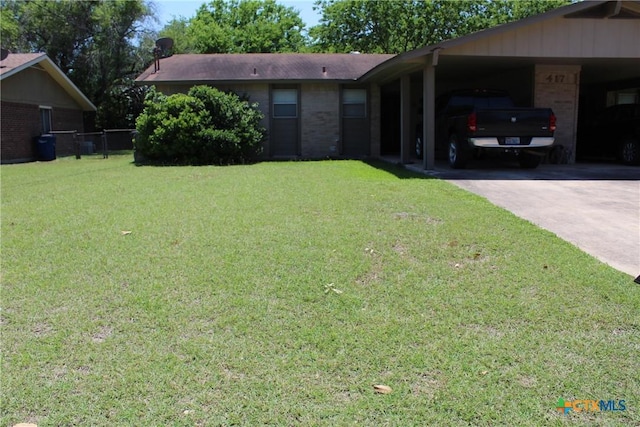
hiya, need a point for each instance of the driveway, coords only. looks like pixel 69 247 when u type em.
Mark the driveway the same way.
pixel 594 206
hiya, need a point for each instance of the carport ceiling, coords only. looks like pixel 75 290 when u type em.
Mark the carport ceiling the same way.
pixel 594 70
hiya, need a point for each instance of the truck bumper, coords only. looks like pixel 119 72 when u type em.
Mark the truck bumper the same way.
pixel 492 142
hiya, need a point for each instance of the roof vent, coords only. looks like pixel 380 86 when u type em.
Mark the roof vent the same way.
pixel 3 54
pixel 355 52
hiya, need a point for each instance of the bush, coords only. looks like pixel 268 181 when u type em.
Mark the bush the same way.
pixel 205 126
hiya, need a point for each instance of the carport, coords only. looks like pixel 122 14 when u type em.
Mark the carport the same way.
pixel 543 61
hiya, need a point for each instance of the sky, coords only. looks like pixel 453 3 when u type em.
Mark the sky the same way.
pixel 168 9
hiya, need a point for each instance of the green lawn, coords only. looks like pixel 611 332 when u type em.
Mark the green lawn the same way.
pixel 280 293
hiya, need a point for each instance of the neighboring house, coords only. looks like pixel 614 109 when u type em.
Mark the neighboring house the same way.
pixel 36 98
pixel 573 59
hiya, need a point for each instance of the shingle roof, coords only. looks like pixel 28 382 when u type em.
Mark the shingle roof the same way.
pixel 17 61
pixel 261 67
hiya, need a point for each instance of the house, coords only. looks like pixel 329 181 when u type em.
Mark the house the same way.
pixel 313 104
pixel 36 98
pixel 574 59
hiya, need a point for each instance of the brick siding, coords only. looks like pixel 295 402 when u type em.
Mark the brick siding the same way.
pixel 20 125
pixel 320 122
pixel 557 87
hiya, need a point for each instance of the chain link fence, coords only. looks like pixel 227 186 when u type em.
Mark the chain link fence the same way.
pixel 72 142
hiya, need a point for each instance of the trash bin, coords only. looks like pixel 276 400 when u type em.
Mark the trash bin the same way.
pixel 46 147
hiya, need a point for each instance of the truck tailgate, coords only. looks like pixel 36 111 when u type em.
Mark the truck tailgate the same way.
pixel 514 122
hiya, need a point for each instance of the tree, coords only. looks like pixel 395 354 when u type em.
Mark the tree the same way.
pixel 238 26
pixel 403 25
pixel 93 42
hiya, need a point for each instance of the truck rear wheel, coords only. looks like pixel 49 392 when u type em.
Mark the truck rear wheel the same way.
pixel 457 155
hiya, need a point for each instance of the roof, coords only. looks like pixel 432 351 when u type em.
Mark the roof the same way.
pixel 17 62
pixel 272 67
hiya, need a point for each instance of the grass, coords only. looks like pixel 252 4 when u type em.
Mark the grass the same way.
pixel 280 293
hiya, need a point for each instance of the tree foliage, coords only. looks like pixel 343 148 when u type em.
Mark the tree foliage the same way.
pixel 238 26
pixel 403 25
pixel 94 42
pixel 204 126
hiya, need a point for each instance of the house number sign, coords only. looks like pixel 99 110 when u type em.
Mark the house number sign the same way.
pixel 559 78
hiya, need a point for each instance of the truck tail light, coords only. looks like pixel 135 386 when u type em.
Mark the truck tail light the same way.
pixel 552 122
pixel 472 123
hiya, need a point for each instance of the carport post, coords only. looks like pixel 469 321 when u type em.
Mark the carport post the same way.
pixel 428 115
pixel 405 119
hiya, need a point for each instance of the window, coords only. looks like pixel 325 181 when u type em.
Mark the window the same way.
pixel 627 98
pixel 45 119
pixel 624 96
pixel 285 103
pixel 354 103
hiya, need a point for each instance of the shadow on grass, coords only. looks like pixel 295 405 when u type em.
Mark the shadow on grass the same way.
pixel 397 169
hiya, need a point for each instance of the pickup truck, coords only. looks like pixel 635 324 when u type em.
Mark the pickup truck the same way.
pixel 468 122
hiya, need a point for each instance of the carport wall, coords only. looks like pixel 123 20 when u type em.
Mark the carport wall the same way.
pixel 558 87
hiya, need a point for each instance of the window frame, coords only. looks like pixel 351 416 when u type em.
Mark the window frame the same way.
pixel 42 109
pixel 293 101
pixel 346 101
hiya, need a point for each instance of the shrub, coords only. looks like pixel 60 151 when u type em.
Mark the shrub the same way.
pixel 205 126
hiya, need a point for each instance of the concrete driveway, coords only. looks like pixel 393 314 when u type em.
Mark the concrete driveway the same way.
pixel 594 206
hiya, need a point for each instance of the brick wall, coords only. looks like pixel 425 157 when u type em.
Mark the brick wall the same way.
pixel 20 125
pixel 320 120
pixel 557 87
